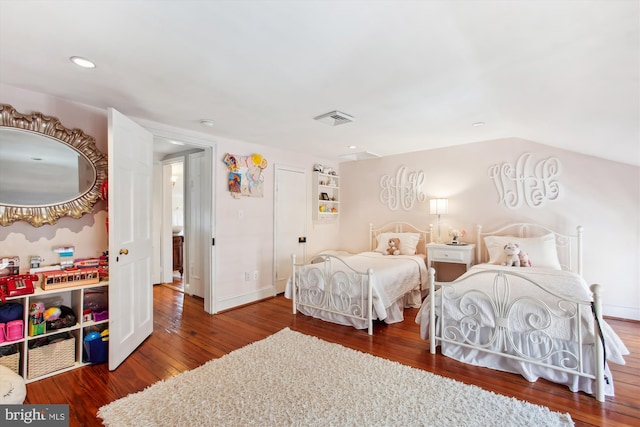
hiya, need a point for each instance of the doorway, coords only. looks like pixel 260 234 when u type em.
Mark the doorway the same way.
pixel 176 277
pixel 185 210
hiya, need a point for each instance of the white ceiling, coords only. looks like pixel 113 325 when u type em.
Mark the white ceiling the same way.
pixel 415 74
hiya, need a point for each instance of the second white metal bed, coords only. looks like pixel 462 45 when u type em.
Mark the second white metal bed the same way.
pixel 356 289
pixel 535 321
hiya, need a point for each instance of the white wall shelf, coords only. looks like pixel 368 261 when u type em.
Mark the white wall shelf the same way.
pixel 326 196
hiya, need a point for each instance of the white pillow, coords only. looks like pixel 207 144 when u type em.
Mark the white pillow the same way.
pixel 408 242
pixel 542 250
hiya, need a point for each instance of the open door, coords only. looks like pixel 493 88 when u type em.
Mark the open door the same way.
pixel 130 239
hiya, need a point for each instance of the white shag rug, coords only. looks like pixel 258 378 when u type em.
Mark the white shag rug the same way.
pixel 292 379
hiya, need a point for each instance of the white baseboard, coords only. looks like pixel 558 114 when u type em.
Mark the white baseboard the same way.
pixel 225 304
pixel 632 313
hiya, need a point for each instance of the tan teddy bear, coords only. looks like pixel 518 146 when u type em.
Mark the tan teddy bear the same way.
pixel 394 246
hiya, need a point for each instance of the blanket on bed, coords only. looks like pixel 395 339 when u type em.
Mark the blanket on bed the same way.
pixel 394 277
pixel 526 313
pixel 508 314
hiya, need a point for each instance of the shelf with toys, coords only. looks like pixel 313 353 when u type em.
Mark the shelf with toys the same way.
pixel 49 327
pixel 326 194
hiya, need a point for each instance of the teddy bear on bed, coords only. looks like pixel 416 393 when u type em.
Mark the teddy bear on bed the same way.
pixel 512 250
pixel 394 246
pixel 524 259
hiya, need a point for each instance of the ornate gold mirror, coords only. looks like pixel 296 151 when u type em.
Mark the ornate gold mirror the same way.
pixel 47 171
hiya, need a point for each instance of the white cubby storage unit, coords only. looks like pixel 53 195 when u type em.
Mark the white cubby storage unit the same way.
pixel 60 356
pixel 326 196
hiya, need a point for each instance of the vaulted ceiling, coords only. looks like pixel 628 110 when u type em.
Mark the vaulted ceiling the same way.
pixel 415 75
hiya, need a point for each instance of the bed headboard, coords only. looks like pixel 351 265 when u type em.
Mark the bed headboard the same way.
pixel 569 246
pixel 401 227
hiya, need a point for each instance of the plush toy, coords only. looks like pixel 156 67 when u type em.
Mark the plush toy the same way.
pixel 394 246
pixel 51 314
pixel 524 259
pixel 511 250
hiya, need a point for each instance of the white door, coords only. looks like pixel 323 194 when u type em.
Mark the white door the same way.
pixel 290 221
pixel 166 224
pixel 197 237
pixel 130 241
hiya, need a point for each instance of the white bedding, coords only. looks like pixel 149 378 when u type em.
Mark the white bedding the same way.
pixel 546 321
pixel 397 283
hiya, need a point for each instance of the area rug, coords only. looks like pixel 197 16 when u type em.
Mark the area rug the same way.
pixel 292 379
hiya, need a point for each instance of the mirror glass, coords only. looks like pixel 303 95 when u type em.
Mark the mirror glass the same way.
pixel 47 171
pixel 36 170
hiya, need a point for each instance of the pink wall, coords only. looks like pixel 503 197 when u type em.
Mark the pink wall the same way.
pixel 88 234
pixel 242 244
pixel 601 195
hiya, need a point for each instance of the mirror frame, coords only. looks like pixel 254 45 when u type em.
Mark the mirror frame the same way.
pixel 78 141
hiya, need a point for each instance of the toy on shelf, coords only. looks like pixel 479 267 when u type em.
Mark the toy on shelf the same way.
pixel 66 255
pixel 36 319
pixel 69 278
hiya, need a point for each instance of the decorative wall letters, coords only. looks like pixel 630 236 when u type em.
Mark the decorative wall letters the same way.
pixel 403 190
pixel 526 183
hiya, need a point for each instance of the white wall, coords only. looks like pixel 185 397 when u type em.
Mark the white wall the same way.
pixel 601 195
pixel 242 244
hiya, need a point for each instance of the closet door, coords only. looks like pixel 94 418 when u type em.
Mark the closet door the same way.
pixel 290 215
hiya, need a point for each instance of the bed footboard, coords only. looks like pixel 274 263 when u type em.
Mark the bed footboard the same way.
pixel 328 284
pixel 504 320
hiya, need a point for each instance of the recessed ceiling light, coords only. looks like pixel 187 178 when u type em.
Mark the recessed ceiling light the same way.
pixel 352 147
pixel 206 122
pixel 82 62
pixel 477 124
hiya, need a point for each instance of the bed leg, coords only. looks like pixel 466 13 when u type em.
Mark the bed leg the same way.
pixel 293 282
pixel 432 311
pixel 370 301
pixel 597 307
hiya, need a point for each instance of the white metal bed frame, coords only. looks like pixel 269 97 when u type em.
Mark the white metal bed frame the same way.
pixel 330 280
pixel 500 341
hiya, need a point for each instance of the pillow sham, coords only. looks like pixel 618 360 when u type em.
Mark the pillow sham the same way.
pixel 542 250
pixel 408 242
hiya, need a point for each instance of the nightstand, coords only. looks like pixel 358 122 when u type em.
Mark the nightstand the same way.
pixel 455 254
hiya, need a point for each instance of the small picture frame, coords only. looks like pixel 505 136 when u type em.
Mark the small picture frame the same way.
pixel 324 196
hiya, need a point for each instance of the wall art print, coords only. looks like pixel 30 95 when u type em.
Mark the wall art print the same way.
pixel 526 182
pixel 402 190
pixel 245 174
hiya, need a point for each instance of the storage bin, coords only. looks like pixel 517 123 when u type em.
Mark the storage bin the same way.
pixel 51 357
pixel 96 351
pixel 12 362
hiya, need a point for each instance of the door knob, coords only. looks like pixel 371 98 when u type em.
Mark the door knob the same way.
pixel 124 251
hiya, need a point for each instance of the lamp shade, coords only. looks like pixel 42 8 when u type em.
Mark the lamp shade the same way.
pixel 438 206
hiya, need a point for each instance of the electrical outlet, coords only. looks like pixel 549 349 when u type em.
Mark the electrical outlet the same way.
pixel 247 276
pixel 255 275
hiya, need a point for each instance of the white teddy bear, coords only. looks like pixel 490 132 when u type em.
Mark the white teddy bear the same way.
pixel 511 250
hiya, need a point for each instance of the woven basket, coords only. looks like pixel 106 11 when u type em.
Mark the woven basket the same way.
pixel 12 362
pixel 50 358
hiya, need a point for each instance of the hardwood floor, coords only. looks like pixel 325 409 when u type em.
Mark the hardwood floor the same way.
pixel 185 337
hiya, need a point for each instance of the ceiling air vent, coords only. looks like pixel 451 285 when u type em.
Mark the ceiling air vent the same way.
pixel 334 118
